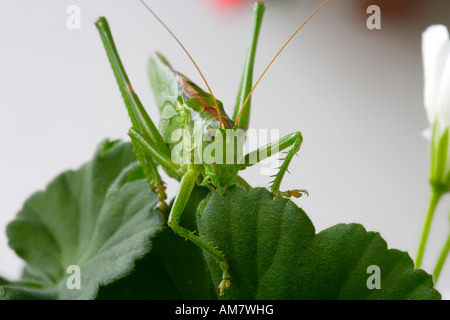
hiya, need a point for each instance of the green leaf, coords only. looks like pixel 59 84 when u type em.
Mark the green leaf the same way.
pixel 174 269
pixel 274 253
pixel 25 291
pixel 98 217
pixel 3 281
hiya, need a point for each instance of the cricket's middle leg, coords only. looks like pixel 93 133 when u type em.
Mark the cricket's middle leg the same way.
pixel 187 184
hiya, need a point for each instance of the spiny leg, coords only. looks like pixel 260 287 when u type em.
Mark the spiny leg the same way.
pixel 187 184
pixel 297 140
pixel 292 141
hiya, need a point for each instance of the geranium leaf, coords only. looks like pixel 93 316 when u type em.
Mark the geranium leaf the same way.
pixel 274 253
pixel 98 218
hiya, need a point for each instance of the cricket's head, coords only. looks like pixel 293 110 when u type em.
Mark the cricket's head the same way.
pixel 222 153
pixel 221 175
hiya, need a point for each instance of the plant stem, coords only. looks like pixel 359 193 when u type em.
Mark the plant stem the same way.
pixel 434 199
pixel 441 261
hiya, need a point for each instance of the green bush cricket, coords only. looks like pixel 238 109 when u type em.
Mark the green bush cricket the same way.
pixel 183 105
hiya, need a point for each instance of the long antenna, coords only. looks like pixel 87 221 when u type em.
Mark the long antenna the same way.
pixel 276 56
pixel 190 57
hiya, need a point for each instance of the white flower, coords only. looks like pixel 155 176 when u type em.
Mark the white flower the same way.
pixel 436 62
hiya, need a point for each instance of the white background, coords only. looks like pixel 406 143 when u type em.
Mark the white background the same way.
pixel 355 94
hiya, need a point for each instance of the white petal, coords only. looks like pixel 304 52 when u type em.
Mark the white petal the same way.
pixel 443 91
pixel 434 50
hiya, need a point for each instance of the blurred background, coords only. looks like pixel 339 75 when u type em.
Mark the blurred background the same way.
pixel 355 94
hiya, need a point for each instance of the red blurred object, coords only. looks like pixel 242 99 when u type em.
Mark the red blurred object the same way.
pixel 228 4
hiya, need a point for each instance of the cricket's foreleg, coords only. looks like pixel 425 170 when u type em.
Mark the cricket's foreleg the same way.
pixel 292 141
pixel 152 176
pixel 295 140
pixel 187 184
pixel 150 148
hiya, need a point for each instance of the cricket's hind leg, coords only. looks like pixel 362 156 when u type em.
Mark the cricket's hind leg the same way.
pixel 142 123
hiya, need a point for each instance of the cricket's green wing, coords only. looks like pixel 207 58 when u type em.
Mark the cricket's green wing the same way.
pixel 171 90
pixel 163 80
pixel 172 87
